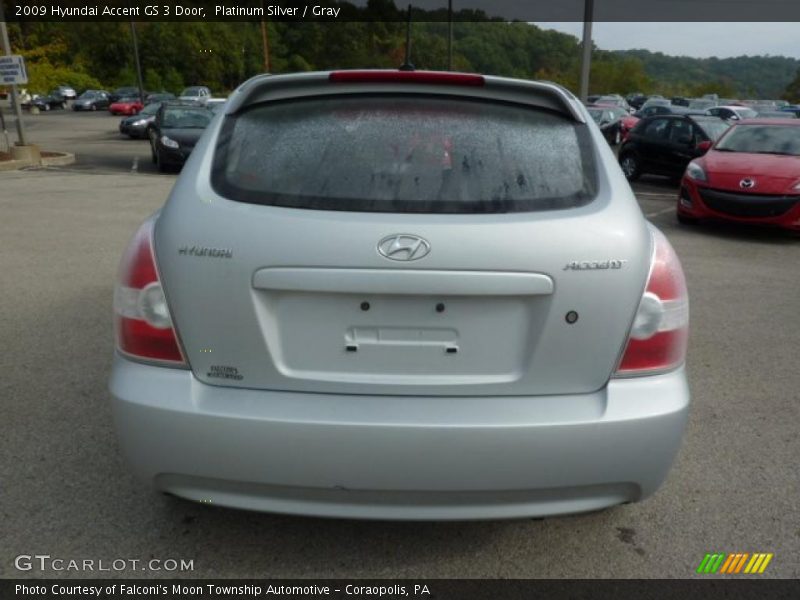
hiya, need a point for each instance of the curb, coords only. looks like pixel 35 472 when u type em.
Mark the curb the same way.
pixel 64 159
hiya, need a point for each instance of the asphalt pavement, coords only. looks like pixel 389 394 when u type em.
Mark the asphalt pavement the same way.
pixel 66 492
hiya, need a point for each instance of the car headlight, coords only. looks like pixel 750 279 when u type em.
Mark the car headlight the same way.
pixel 796 187
pixel 139 123
pixel 696 172
pixel 169 142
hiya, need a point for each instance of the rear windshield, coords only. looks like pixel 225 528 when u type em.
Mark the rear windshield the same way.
pixel 714 128
pixel 410 154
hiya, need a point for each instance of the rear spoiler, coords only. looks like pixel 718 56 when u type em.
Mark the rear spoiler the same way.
pixel 265 88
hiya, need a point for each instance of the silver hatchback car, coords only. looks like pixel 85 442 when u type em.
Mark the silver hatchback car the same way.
pixel 401 295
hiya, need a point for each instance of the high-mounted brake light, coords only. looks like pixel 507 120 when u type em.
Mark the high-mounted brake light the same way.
pixel 425 77
pixel 660 331
pixel 142 321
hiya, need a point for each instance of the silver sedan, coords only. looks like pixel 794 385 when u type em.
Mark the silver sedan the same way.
pixel 401 295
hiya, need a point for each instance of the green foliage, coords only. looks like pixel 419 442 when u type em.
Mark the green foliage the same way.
pixel 792 91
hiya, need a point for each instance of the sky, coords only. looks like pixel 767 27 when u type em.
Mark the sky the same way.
pixel 699 40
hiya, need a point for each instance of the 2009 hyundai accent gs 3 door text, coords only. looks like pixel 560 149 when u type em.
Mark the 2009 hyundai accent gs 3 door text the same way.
pixel 401 295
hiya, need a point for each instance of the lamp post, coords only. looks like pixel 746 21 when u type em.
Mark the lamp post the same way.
pixel 586 58
pixel 138 63
pixel 449 35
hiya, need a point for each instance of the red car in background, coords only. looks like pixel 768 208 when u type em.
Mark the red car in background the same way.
pixel 626 122
pixel 751 175
pixel 126 106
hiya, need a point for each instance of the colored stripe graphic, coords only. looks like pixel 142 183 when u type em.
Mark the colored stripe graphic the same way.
pixel 758 563
pixel 722 563
pixel 711 562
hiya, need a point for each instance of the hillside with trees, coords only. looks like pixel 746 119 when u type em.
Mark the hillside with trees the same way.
pixel 222 54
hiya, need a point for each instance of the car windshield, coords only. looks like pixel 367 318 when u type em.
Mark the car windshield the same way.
pixel 702 104
pixel 186 118
pixel 129 99
pixel 410 154
pixel 746 113
pixel 150 109
pixel 762 139
pixel 88 95
pixel 191 92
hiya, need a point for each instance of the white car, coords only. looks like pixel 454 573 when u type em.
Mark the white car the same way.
pixel 401 295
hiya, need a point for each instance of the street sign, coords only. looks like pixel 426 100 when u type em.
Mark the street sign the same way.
pixel 12 70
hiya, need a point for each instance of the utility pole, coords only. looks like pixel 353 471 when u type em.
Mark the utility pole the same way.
pixel 449 35
pixel 586 58
pixel 138 63
pixel 14 95
pixel 265 40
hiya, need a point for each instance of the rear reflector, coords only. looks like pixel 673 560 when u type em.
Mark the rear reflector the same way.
pixel 142 321
pixel 425 77
pixel 660 331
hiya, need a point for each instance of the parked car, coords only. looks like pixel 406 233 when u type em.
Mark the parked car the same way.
pixel 91 100
pixel 732 113
pixel 136 126
pixel 776 114
pixel 127 105
pixel 158 97
pixel 750 175
pixel 702 103
pixel 52 100
pixel 67 92
pixel 197 93
pixel 614 100
pixel 679 101
pixel 665 144
pixel 124 92
pixel 215 104
pixel 437 287
pixel 175 131
pixel 609 119
pixel 636 100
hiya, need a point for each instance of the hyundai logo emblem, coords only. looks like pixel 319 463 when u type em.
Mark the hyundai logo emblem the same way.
pixel 403 246
pixel 747 183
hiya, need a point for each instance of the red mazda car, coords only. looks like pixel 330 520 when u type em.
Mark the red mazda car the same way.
pixel 752 174
pixel 126 106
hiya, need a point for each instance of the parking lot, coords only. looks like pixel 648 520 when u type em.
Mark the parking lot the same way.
pixel 65 491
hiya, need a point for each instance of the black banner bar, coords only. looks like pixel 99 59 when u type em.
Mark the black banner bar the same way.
pixel 395 10
pixel 705 588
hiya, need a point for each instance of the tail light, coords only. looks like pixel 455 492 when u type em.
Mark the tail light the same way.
pixel 660 332
pixel 143 324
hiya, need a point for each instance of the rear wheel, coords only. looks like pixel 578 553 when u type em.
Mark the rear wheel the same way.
pixel 685 220
pixel 630 166
pixel 160 165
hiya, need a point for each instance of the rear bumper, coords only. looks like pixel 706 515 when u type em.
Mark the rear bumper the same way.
pixel 398 457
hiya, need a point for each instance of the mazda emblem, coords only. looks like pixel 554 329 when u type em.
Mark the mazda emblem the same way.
pixel 403 246
pixel 747 183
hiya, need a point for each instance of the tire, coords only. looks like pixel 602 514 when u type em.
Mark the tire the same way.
pixel 153 156
pixel 162 168
pixel 630 166
pixel 684 220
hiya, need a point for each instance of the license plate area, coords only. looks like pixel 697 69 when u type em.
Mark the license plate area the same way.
pixel 400 339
